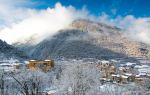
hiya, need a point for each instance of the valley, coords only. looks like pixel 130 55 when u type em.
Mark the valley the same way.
pixel 86 58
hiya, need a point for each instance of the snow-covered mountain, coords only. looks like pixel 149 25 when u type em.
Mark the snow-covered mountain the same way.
pixel 87 39
pixel 9 52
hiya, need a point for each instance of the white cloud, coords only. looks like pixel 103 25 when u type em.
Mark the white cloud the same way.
pixel 136 28
pixel 41 23
pixel 140 29
pixel 19 23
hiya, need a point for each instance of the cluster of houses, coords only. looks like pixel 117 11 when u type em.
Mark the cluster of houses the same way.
pixel 44 65
pixel 124 73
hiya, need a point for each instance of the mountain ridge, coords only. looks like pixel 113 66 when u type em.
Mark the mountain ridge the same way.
pixel 89 36
pixel 8 51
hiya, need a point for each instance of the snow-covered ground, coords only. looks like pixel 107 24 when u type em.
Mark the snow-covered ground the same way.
pixel 9 65
pixel 69 76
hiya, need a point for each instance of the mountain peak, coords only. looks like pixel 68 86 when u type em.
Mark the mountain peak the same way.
pixel 91 26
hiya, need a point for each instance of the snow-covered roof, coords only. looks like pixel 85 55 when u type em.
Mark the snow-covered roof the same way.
pixel 103 78
pixel 26 62
pixel 145 66
pixel 142 66
pixel 118 75
pixel 122 64
pixel 128 74
pixel 115 75
pixel 137 75
pixel 51 92
pixel 121 68
pixel 124 76
pixel 104 61
pixel 113 60
pixel 32 60
pixel 129 63
pixel 137 66
pixel 47 60
pixel 142 74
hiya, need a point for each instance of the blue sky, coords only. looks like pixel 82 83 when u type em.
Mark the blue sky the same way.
pixel 46 17
pixel 138 8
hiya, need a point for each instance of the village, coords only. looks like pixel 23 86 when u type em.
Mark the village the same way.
pixel 124 73
pixel 112 71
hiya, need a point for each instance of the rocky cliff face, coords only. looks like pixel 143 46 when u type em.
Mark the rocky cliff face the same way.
pixel 87 39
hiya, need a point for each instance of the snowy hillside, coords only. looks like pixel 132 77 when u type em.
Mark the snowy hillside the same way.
pixel 87 39
pixel 8 52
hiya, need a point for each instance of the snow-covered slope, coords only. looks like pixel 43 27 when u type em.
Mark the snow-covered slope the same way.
pixel 87 39
pixel 9 52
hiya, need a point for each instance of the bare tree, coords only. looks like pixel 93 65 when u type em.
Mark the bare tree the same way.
pixel 2 82
pixel 32 83
pixel 77 79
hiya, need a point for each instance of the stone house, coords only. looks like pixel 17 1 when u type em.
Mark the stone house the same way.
pixel 45 65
